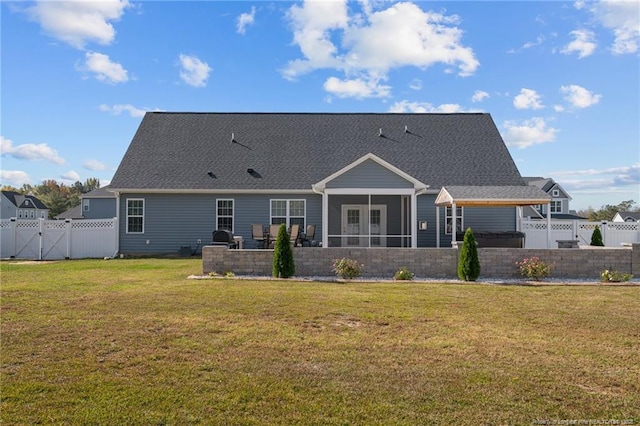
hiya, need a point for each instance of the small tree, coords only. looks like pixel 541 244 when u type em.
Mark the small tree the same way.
pixel 283 266
pixel 468 262
pixel 596 237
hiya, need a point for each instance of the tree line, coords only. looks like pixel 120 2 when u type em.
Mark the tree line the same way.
pixel 58 197
pixel 608 211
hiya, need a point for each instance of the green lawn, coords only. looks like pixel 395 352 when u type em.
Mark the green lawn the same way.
pixel 136 342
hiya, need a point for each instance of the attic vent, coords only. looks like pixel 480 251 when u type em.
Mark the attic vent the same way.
pixel 250 171
pixel 211 175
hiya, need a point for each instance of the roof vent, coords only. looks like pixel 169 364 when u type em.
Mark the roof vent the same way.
pixel 380 133
pixel 250 171
pixel 406 129
pixel 211 174
pixel 233 138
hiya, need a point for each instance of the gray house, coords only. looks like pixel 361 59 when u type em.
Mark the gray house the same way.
pixel 14 204
pixel 97 204
pixel 363 180
pixel 559 204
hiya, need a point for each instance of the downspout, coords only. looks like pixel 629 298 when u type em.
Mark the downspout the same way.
pixel 325 214
pixel 117 224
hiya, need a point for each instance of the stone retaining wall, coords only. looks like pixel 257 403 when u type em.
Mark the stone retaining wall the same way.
pixel 427 262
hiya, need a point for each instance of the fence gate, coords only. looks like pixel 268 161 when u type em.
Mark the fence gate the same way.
pixel 56 239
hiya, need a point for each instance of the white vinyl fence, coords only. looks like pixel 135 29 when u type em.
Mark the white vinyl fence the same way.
pixel 614 234
pixel 58 239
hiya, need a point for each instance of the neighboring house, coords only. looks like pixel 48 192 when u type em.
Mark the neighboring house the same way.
pixel 559 205
pixel 627 217
pixel 364 180
pixel 14 204
pixel 97 204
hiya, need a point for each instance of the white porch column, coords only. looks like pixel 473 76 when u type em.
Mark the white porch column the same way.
pixel 549 225
pixel 438 226
pixel 414 220
pixel 454 225
pixel 325 219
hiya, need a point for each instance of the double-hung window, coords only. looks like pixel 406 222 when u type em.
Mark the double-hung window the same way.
pixel 224 214
pixel 85 205
pixel 289 212
pixel 449 219
pixel 135 216
pixel 556 206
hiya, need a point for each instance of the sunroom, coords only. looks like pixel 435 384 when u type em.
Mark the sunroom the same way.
pixel 369 203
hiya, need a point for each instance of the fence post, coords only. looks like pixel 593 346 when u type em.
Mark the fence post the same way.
pixel 67 231
pixel 603 230
pixel 14 232
pixel 40 235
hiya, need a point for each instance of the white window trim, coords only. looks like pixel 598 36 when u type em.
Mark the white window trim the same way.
pixel 450 216
pixel 86 206
pixel 144 206
pixel 233 212
pixel 555 193
pixel 288 211
pixel 555 206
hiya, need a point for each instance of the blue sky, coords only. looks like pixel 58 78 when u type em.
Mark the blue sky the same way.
pixel 560 79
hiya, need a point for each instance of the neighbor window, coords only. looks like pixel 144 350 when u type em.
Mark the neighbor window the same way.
pixel 289 212
pixel 555 193
pixel 85 205
pixel 224 214
pixel 556 206
pixel 449 219
pixel 135 216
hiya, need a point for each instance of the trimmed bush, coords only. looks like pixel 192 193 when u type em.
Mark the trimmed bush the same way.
pixel 596 237
pixel 283 265
pixel 403 274
pixel 347 268
pixel 468 261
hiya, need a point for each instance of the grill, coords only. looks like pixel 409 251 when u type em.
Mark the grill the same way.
pixel 223 237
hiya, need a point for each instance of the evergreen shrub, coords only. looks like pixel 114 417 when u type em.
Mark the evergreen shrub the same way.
pixel 468 261
pixel 283 264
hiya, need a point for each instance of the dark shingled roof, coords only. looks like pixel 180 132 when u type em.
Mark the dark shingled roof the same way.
pixel 18 200
pixel 292 151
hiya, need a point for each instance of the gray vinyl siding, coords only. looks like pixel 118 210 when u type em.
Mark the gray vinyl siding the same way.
pixel 172 221
pixel 369 174
pixel 7 209
pixel 100 208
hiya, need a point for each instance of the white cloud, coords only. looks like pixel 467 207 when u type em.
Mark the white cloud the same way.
pixel 356 88
pixel 15 178
pixel 244 20
pixel 79 22
pixel 94 165
pixel 423 107
pixel 479 96
pixel 360 44
pixel 579 97
pixel 583 43
pixel 71 175
pixel 104 69
pixel 130 109
pixel 623 18
pixel 416 84
pixel 193 71
pixel 528 45
pixel 30 151
pixel 527 99
pixel 528 133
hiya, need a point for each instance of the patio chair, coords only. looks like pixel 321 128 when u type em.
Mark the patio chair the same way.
pixel 258 234
pixel 273 234
pixel 308 236
pixel 294 235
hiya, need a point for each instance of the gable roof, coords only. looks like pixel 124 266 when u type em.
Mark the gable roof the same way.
pixel 491 195
pixel 293 151
pixel 72 213
pixel 630 215
pixel 319 186
pixel 546 184
pixel 24 201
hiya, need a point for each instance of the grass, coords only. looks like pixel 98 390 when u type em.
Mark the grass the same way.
pixel 136 342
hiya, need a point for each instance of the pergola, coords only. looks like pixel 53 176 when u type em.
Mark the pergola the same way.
pixel 490 196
